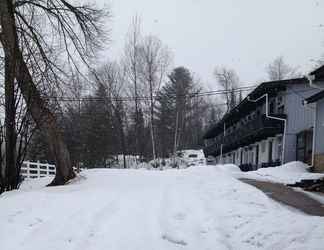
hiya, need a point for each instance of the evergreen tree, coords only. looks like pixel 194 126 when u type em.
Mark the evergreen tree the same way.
pixel 179 113
pixel 97 129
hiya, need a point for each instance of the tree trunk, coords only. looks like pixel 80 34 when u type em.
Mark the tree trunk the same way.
pixel 122 134
pixel 47 123
pixel 10 135
pixel 37 106
pixel 152 120
pixel 11 173
pixel 137 147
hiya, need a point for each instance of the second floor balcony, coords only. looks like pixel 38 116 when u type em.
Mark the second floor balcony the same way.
pixel 252 131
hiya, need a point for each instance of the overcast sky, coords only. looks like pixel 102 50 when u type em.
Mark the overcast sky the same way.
pixel 243 35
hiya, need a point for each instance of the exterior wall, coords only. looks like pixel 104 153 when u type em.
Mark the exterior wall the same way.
pixel 254 152
pixel 277 148
pixel 319 140
pixel 263 151
pixel 245 155
pixel 249 153
pixel 299 118
pixel 319 137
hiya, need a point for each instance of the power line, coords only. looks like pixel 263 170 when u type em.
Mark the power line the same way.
pixel 147 98
pixel 193 95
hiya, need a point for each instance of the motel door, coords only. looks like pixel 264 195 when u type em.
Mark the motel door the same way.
pixel 304 146
pixel 270 151
pixel 257 155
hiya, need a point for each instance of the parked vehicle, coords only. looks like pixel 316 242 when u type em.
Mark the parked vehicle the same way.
pixel 192 157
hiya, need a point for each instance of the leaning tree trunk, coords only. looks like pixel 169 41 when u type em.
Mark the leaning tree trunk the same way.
pixel 43 117
pixel 47 123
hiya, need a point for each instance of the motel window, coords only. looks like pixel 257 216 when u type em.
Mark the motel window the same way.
pixel 281 109
pixel 280 105
pixel 272 107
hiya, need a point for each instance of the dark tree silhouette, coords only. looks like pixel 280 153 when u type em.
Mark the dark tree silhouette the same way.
pixel 30 33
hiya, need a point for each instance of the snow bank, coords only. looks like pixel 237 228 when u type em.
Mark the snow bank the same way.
pixel 228 168
pixel 295 167
pixel 188 209
pixel 287 173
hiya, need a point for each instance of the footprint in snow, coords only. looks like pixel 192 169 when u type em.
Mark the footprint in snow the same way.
pixel 179 216
pixel 173 240
pixel 38 221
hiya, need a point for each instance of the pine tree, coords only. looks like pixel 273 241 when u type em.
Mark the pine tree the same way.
pixel 179 111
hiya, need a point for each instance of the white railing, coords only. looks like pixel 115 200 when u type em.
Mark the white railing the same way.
pixel 37 169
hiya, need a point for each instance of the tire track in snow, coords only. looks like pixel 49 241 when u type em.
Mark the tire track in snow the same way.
pixel 185 222
pixel 76 228
pixel 95 230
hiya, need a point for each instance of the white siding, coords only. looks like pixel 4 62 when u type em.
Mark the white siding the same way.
pixel 277 148
pixel 263 151
pixel 319 140
pixel 299 118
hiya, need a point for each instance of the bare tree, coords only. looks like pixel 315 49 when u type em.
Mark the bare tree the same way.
pixel 30 31
pixel 280 70
pixel 131 64
pixel 228 80
pixel 21 130
pixel 155 61
pixel 112 77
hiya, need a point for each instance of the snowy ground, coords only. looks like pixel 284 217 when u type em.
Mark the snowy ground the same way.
pixel 196 208
pixel 287 174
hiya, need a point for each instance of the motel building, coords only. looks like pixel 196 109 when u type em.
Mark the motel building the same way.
pixel 270 127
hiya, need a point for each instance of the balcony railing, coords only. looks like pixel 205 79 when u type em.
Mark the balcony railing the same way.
pixel 252 131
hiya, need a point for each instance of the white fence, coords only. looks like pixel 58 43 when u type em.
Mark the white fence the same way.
pixel 37 169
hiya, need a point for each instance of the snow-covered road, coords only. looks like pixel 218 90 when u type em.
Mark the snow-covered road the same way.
pixel 197 208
